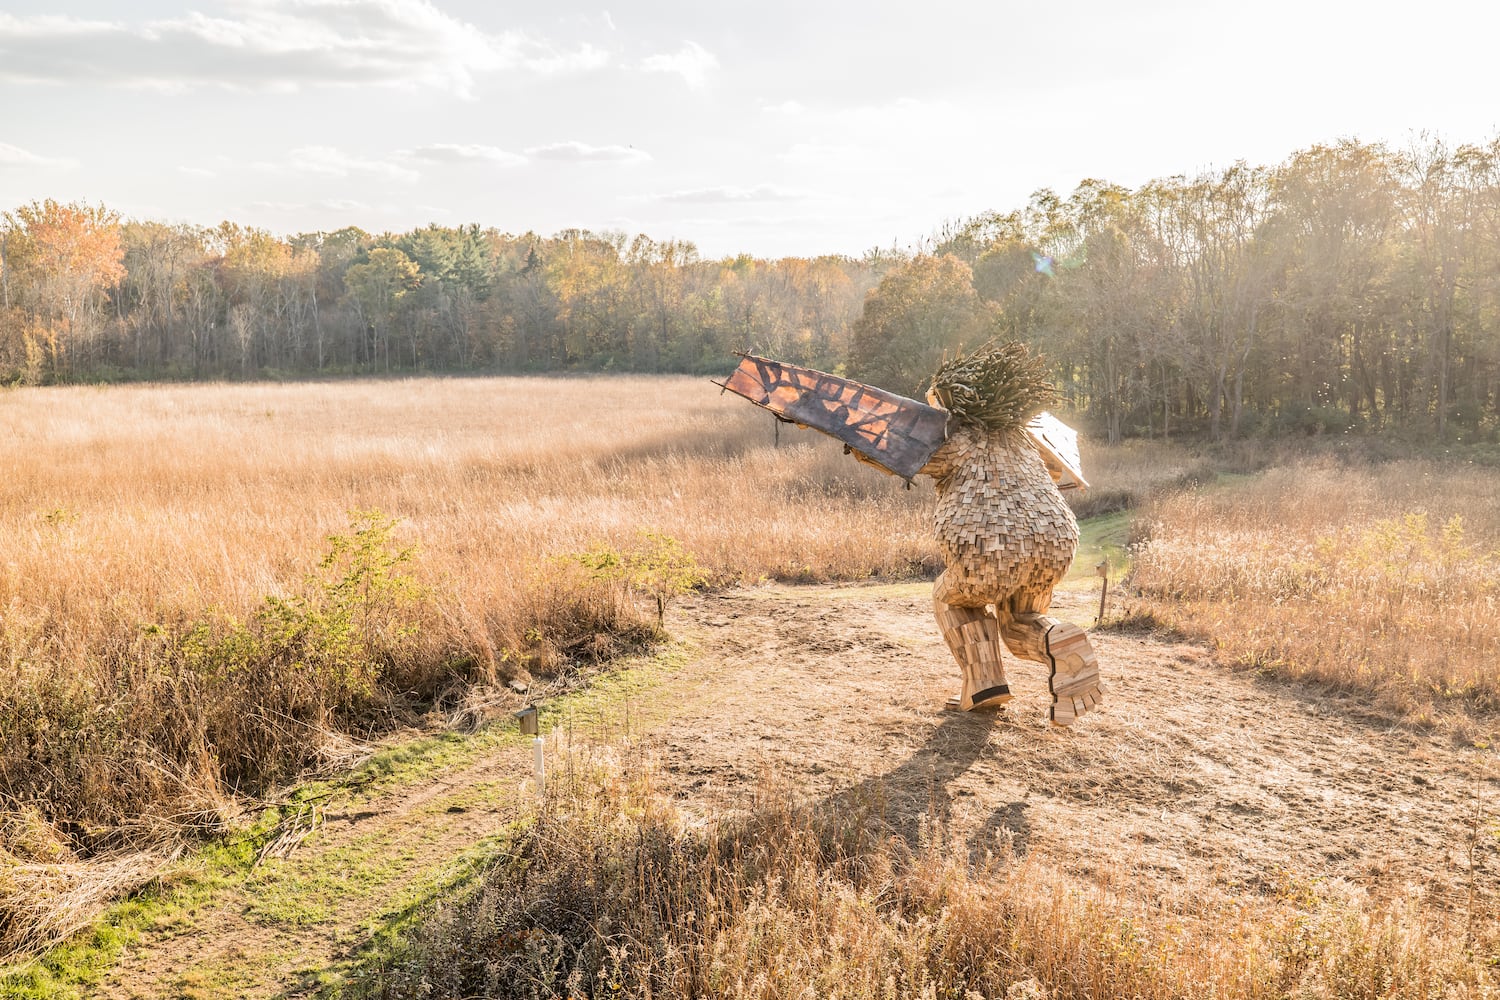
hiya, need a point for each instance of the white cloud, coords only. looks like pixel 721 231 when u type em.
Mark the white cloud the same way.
pixel 15 156
pixel 449 152
pixel 784 108
pixel 692 62
pixel 730 195
pixel 934 113
pixel 582 152
pixel 328 161
pixel 279 45
pixel 774 222
pixel 548 61
pixel 195 171
pixel 825 154
pixel 298 215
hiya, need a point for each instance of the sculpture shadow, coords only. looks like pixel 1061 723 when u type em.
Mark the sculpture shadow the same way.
pixel 914 800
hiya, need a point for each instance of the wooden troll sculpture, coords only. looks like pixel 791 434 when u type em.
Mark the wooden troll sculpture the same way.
pixel 1006 535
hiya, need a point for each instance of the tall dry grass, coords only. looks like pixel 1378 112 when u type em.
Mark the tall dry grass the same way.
pixel 1378 578
pixel 1127 475
pixel 615 892
pixel 177 629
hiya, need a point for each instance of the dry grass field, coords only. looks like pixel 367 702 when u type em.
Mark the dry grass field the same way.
pixel 1382 579
pixel 208 590
pixel 176 628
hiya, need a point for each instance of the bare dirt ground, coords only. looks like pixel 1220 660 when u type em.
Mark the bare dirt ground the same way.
pixel 1191 775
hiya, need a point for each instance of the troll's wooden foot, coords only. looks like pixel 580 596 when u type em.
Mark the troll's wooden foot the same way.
pixel 955 703
pixel 974 638
pixel 1075 682
pixel 983 675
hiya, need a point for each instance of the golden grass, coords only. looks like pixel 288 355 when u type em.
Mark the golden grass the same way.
pixel 1123 477
pixel 1380 578
pixel 185 496
pixel 615 892
pixel 148 680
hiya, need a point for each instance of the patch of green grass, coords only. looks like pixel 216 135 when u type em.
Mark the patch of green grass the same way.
pixel 479 795
pixel 386 935
pixel 1101 539
pixel 616 699
pixel 74 968
pixel 308 888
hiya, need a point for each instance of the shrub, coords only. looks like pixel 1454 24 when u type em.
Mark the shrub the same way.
pixel 657 566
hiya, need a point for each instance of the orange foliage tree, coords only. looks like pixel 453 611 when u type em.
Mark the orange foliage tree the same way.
pixel 63 256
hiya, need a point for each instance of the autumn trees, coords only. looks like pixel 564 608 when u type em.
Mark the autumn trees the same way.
pixel 57 260
pixel 917 314
pixel 1351 286
pixel 234 301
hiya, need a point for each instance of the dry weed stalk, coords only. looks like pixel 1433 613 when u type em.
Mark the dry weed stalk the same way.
pixel 44 902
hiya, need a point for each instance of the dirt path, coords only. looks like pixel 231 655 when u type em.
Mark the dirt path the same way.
pixel 1190 776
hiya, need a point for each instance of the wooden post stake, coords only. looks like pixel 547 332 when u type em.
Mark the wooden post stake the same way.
pixel 1103 569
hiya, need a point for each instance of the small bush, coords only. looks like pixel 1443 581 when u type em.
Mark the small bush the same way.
pixel 566 613
pixel 657 566
pixel 147 742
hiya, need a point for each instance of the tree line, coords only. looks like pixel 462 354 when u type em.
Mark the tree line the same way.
pixel 1353 286
pixel 84 296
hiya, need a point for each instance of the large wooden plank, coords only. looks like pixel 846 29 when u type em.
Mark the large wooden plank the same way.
pixel 893 432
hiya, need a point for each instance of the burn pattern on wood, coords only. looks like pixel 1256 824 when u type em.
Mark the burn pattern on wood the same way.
pixel 893 432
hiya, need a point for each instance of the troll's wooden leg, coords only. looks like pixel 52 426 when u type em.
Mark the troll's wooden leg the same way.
pixel 1074 681
pixel 973 636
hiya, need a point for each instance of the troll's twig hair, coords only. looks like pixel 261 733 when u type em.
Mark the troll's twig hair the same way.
pixel 999 386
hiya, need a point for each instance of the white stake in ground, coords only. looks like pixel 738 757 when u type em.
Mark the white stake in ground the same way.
pixel 529 727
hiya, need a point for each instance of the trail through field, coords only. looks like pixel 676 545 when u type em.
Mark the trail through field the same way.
pixel 1191 778
pixel 1191 775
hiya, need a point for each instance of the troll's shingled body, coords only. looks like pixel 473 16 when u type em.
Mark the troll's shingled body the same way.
pixel 1007 539
pixel 1006 535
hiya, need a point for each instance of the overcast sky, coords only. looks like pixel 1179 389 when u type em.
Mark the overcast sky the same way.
pixel 770 128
